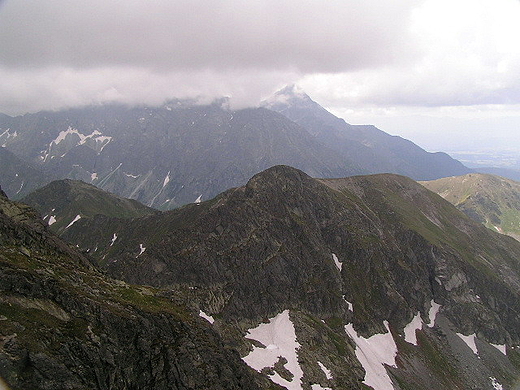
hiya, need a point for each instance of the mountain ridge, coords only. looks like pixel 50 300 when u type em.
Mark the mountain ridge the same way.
pixel 491 200
pixel 65 325
pixel 177 153
pixel 377 151
pixel 62 201
pixel 331 267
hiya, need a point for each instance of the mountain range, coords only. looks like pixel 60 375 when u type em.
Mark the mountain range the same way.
pixel 336 271
pixel 181 152
pixel 371 148
pixel 255 275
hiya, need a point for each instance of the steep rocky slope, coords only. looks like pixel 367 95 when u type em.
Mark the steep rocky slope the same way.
pixel 166 156
pixel 66 326
pixel 63 202
pixel 19 178
pixel 488 199
pixel 371 148
pixel 346 268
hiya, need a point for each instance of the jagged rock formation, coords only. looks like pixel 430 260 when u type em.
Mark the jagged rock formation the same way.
pixel 491 200
pixel 351 259
pixel 61 202
pixel 371 148
pixel 63 325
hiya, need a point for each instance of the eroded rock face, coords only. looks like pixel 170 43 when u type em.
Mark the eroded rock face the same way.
pixel 63 325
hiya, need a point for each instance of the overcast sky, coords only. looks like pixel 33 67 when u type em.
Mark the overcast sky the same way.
pixel 434 71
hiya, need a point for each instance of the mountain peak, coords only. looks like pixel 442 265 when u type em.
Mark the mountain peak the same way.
pixel 291 95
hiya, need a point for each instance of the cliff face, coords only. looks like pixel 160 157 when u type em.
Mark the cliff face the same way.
pixel 66 326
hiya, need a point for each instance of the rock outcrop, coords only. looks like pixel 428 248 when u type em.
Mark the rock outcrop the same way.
pixel 63 325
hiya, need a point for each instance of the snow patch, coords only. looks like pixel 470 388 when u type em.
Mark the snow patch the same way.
pixel 206 317
pixel 350 305
pixel 318 387
pixel 495 384
pixel 325 370
pixel 199 199
pixel 76 219
pixel 432 314
pixel 105 179
pixel 9 135
pixel 279 337
pixel 23 182
pixel 142 249
pixel 113 239
pixel 52 220
pixel 100 140
pixel 501 348
pixel 470 341
pixel 336 261
pixel 411 328
pixel 373 353
pixel 166 179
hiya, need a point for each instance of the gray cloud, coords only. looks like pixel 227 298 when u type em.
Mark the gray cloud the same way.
pixel 307 36
pixel 57 53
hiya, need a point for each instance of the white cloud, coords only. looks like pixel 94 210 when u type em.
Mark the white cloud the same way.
pixel 469 57
pixel 387 63
pixel 63 52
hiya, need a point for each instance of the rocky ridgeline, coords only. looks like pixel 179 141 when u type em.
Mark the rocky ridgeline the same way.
pixel 66 326
pixel 371 254
pixel 271 243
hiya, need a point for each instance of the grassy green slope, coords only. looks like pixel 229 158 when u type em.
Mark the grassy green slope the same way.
pixel 491 200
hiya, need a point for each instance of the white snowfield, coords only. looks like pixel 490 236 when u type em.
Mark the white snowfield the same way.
pixel 470 341
pixel 279 338
pixel 434 309
pixel 501 348
pixel 409 330
pixel 206 317
pixel 350 305
pixel 336 261
pixel 141 249
pixel 318 387
pixel 326 371
pixel 373 353
pixel 114 238
pixel 381 349
pixel 100 140
pixel 76 219
pixel 166 179
pixel 496 385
